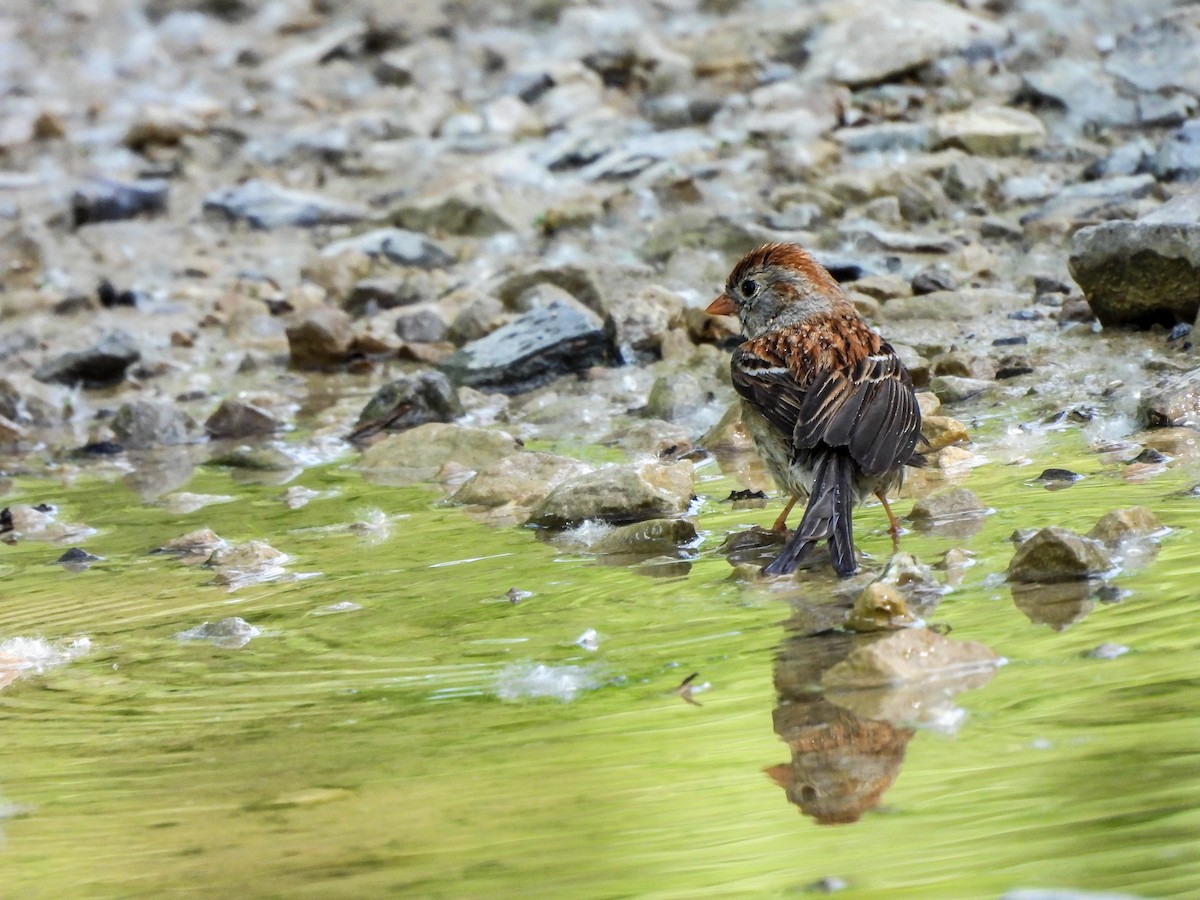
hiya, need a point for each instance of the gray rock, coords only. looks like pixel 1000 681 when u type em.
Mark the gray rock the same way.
pixel 106 200
pixel 932 279
pixel 673 397
pixel 531 350
pixel 230 633
pixel 885 137
pixel 955 503
pixel 408 402
pixel 915 33
pixel 26 402
pixel 618 495
pixel 991 131
pixel 870 236
pixel 418 453
pixel 479 317
pixel 1057 554
pixel 910 654
pixel 264 204
pixel 421 325
pixel 405 248
pixel 955 388
pixel 144 423
pixel 1178 159
pixel 523 479
pixel 238 419
pixel 1174 401
pixel 452 215
pixel 1084 91
pixel 1144 271
pixel 100 365
pixel 577 281
pixel 319 338
pixel 1160 56
pixel 387 292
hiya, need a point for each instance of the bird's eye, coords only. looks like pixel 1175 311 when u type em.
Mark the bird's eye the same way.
pixel 749 287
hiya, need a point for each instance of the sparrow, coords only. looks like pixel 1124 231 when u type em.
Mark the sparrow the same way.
pixel 827 401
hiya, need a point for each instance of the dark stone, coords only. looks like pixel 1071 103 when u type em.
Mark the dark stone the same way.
pixel 422 326
pixel 408 402
pixel 1178 159
pixel 1060 475
pixel 529 351
pixel 1057 554
pixel 929 280
pixel 236 419
pixel 1013 367
pixel 101 365
pixel 106 200
pixel 387 292
pixel 1015 341
pixel 1044 284
pixel 110 297
pixel 143 423
pixel 76 555
pixel 1173 401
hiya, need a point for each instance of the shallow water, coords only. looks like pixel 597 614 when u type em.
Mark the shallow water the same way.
pixel 364 749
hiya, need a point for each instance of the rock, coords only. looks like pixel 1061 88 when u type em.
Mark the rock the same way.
pixel 954 388
pixel 10 432
pixel 1107 650
pixel 250 563
pixel 1084 91
pixel 955 503
pixel 929 280
pixel 910 654
pixel 879 607
pixel 238 419
pixel 970 303
pixel 531 350
pixel 619 494
pixel 1057 554
pixel 387 292
pixel 144 423
pixel 106 200
pixel 422 324
pixel 101 365
pixel 419 452
pixel 523 479
pixel 409 401
pixel 194 547
pixel 21 260
pixel 885 137
pixel 230 633
pixel 479 317
pixel 339 273
pixel 28 402
pixel 1123 524
pixel 655 537
pixel 1178 159
pixel 452 215
pixel 397 245
pixel 915 34
pixel 1144 271
pixel 577 281
pixel 266 205
pixel 674 397
pixel 638 325
pixel 319 338
pixel 870 236
pixel 990 131
pixel 1174 401
pixel 161 124
pixel 942 431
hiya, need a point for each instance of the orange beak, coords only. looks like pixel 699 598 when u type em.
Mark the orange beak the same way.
pixel 722 306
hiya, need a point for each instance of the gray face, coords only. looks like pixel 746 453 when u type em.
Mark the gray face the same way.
pixel 772 297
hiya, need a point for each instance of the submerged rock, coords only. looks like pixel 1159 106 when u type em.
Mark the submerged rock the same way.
pixel 911 654
pixel 422 450
pixel 619 494
pixel 529 351
pixel 953 506
pixel 1057 605
pixel 1124 524
pixel 250 563
pixel 1057 554
pixel 194 547
pixel 523 479
pixel 266 205
pixel 655 537
pixel 229 634
pixel 100 365
pixel 1142 271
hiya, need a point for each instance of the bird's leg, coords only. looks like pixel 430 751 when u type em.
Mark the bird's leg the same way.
pixel 780 526
pixel 894 530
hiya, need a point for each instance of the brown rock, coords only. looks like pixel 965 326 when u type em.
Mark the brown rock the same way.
pixel 1057 554
pixel 320 338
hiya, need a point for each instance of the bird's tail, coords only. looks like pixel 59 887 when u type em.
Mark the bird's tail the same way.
pixel 827 517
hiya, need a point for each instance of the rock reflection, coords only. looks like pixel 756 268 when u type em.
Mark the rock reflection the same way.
pixel 848 704
pixel 1058 605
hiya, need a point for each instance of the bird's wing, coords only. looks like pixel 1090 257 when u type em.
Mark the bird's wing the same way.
pixel 867 406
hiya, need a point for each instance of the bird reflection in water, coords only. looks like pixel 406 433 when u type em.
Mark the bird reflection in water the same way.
pixel 847 719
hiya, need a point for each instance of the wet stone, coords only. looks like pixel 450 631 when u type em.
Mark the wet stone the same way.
pixel 1057 554
pixel 618 495
pixel 944 506
pixel 408 402
pixel 422 325
pixel 106 200
pixel 237 419
pixel 651 538
pixel 531 350
pixel 194 547
pixel 1124 524
pixel 421 451
pixel 879 607
pixel 144 423
pixel 956 388
pixel 228 634
pixel 265 205
pixel 101 365
pixel 1174 401
pixel 910 654
pixel 523 479
pixel 942 431
pixel 396 245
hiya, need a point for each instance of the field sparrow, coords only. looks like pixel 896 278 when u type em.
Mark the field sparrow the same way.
pixel 828 403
